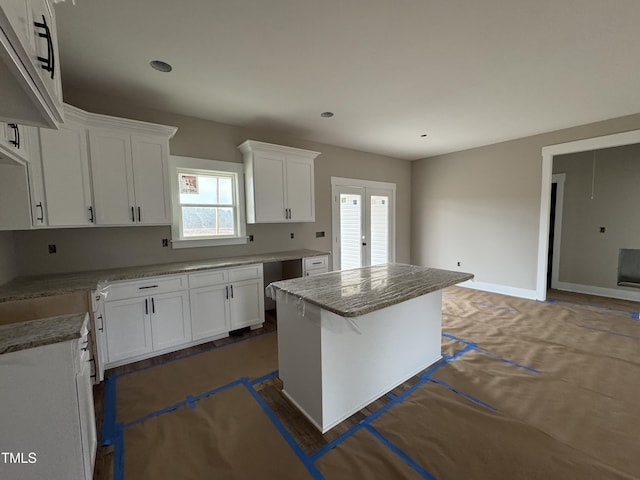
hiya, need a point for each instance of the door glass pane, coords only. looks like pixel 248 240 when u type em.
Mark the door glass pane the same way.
pixel 379 238
pixel 350 230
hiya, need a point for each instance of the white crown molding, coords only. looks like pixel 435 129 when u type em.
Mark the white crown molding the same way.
pixel 99 120
pixel 254 146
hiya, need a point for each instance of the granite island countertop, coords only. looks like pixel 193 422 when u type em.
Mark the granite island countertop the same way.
pixel 23 288
pixel 44 331
pixel 351 293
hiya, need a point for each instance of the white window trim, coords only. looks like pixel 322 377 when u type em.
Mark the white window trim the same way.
pixel 177 162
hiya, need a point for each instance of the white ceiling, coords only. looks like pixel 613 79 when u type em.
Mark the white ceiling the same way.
pixel 465 72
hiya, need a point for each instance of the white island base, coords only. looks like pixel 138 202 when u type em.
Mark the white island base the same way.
pixel 332 366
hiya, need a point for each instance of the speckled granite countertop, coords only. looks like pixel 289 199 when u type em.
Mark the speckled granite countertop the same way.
pixel 23 288
pixel 44 331
pixel 350 293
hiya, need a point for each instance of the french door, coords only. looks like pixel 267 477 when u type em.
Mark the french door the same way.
pixel 363 223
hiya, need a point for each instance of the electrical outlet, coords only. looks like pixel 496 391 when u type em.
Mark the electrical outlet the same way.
pixel 319 234
pixel 52 248
pixel 459 264
pixel 601 229
pixel 165 242
pixel 251 238
pixel 292 235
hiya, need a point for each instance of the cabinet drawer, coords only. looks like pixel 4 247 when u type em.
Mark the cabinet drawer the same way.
pixel 309 272
pixel 315 262
pixel 208 278
pixel 245 273
pixel 148 286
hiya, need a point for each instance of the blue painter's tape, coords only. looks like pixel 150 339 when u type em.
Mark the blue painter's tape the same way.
pixel 548 301
pixel 635 315
pixel 118 453
pixel 395 449
pixel 465 395
pixel 264 377
pixel 510 362
pixel 109 413
pixel 189 401
pixel 315 473
pixel 453 337
pixel 468 348
pixel 610 332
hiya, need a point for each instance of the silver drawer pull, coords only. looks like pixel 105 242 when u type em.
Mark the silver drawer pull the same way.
pixel 150 286
pixel 316 263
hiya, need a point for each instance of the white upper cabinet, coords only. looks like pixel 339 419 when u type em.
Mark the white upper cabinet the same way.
pixel 13 143
pixel 30 84
pixel 129 168
pixel 279 183
pixel 65 169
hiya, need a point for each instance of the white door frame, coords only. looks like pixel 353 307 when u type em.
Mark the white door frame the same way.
pixel 596 143
pixel 558 179
pixel 337 182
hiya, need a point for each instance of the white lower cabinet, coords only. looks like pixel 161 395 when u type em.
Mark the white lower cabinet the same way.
pixel 170 320
pixel 48 420
pixel 315 265
pixel 127 328
pixel 246 304
pixel 209 311
pixel 156 315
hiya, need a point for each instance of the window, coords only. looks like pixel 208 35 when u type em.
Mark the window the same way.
pixel 208 206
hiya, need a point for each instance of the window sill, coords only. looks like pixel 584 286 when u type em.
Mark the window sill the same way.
pixel 208 242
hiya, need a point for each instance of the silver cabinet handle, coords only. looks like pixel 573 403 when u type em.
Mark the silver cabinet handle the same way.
pixel 231 291
pixel 139 214
pixel 101 323
pixel 227 292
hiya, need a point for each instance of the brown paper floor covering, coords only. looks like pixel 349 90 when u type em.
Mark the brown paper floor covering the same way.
pixel 527 390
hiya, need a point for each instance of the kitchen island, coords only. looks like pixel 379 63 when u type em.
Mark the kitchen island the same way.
pixel 346 338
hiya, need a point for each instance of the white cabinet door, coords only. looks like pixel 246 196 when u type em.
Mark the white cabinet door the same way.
pixel 209 311
pixel 246 303
pixel 269 187
pixel 170 319
pixel 87 421
pixel 13 142
pixel 36 183
pixel 18 13
pixel 65 168
pixel 300 190
pixel 112 177
pixel 150 156
pixel 127 325
pixel 46 47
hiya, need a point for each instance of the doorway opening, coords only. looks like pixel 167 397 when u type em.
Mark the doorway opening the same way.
pixel 363 217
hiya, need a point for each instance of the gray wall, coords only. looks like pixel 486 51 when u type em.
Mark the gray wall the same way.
pixel 8 268
pixel 482 206
pixel 587 256
pixel 95 248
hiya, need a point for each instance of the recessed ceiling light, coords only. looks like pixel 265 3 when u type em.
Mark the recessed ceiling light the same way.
pixel 160 66
pixel 326 114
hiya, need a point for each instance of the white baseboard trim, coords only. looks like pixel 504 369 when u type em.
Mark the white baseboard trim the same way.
pixel 600 291
pixel 503 289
